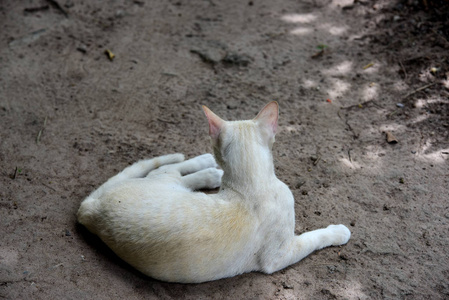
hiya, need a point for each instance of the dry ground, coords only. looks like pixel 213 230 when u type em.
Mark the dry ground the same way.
pixel 70 118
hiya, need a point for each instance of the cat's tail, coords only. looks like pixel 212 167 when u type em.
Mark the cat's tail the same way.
pixel 89 208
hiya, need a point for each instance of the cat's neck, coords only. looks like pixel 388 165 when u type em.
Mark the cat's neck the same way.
pixel 249 173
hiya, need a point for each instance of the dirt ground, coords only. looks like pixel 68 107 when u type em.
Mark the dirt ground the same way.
pixel 344 73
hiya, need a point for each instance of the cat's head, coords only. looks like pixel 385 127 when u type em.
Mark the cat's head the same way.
pixel 240 142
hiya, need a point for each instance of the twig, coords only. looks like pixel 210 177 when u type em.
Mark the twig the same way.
pixel 392 113
pixel 48 187
pixel 354 135
pixel 58 265
pixel 338 114
pixel 316 160
pixel 38 138
pixel 56 5
pixel 39 134
pixel 418 90
pixel 34 9
pixel 403 70
pixel 441 36
pixel 13 176
pixel 360 105
pixel 318 54
pixel 165 121
pixel 349 155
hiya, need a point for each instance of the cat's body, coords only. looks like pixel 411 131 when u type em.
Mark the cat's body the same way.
pixel 150 216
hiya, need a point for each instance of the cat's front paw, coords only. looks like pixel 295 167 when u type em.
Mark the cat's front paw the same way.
pixel 340 234
pixel 212 178
pixel 206 161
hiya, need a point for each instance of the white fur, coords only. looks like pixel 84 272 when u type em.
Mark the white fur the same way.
pixel 150 216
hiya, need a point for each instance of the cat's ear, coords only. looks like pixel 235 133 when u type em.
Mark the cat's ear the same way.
pixel 215 123
pixel 268 117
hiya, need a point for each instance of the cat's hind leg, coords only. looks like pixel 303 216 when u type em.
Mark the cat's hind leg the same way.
pixel 300 246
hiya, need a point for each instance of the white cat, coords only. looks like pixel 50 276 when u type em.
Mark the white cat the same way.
pixel 150 216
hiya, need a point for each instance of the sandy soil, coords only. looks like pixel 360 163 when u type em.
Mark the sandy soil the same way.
pixel 70 118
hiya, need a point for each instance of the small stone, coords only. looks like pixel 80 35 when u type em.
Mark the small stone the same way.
pixel 119 13
pixel 343 256
pixel 82 48
pixel 237 59
pixel 300 183
pixel 286 285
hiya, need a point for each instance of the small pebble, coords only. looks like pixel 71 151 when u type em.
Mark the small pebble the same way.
pixel 287 285
pixel 82 48
pixel 399 105
pixel 343 256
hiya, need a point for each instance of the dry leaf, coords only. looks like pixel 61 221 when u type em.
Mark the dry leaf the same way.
pixel 391 138
pixel 109 54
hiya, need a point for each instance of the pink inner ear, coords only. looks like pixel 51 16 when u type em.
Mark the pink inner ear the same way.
pixel 269 116
pixel 215 123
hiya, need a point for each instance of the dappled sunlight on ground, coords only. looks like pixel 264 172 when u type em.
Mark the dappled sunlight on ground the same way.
pixel 374 153
pixel 343 68
pixel 289 128
pixel 333 29
pixel 370 92
pixel 445 83
pixel 401 93
pixel 341 3
pixel 339 88
pixel 350 163
pixel 299 18
pixel 354 290
pixel 301 30
pixel 338 84
pixel 400 86
pixel 440 156
pixel 308 83
pixel 420 118
pixel 420 103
